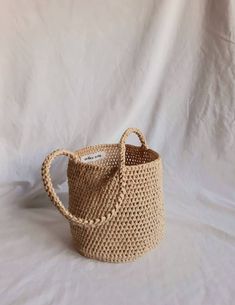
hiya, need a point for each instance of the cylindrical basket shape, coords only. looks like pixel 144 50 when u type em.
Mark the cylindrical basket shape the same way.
pixel 115 211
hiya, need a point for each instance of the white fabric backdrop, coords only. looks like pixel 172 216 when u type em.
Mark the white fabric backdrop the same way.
pixel 77 73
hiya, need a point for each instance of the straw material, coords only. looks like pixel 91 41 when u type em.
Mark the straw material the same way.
pixel 115 199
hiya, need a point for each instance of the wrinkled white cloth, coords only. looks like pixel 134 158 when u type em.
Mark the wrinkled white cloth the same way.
pixel 78 73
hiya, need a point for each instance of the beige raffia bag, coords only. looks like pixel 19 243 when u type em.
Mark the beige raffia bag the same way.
pixel 115 198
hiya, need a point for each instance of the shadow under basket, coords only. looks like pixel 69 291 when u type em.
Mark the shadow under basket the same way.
pixel 115 208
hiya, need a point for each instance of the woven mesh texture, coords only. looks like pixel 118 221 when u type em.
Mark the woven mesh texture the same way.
pixel 137 225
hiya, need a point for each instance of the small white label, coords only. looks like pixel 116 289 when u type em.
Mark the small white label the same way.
pixel 93 157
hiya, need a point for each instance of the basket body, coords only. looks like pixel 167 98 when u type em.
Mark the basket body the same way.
pixel 138 225
pixel 115 198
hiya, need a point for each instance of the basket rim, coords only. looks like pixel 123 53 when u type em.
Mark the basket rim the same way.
pixel 99 166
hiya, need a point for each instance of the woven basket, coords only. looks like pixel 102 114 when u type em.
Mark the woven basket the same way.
pixel 115 198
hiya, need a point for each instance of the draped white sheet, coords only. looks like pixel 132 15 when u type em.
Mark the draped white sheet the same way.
pixel 77 73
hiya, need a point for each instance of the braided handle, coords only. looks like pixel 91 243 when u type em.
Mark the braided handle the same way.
pixel 124 138
pixel 59 205
pixel 45 170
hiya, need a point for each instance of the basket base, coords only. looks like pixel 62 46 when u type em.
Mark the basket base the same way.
pixel 117 259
